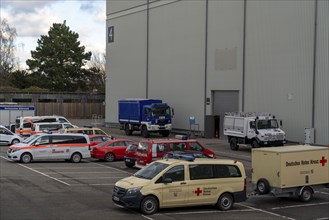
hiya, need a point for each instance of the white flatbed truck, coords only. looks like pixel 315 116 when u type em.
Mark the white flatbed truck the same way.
pixel 290 171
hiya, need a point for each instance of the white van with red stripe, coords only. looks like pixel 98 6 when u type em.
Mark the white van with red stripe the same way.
pixel 73 147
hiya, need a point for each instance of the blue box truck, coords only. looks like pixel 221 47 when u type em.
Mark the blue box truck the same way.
pixel 145 115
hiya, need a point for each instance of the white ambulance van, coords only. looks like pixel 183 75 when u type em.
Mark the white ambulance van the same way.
pixel 73 147
pixel 182 182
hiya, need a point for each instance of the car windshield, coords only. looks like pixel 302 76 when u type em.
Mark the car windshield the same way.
pixel 160 111
pixel 150 171
pixel 30 139
pixel 267 124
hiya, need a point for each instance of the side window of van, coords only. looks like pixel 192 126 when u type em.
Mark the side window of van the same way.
pixel 27 124
pixel 161 148
pixel 177 146
pixel 227 171
pixel 62 120
pixel 175 174
pixel 63 139
pixel 142 147
pixel 99 132
pixel 201 171
pixel 195 146
pixel 44 140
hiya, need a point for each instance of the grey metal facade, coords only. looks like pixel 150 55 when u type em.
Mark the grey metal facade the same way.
pixel 274 53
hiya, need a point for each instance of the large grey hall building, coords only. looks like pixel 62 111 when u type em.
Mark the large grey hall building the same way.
pixel 207 57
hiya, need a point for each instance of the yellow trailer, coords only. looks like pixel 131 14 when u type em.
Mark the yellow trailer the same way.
pixel 290 170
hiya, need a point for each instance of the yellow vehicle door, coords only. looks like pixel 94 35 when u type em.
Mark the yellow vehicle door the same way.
pixel 174 192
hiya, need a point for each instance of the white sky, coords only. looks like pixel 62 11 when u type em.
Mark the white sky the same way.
pixel 34 18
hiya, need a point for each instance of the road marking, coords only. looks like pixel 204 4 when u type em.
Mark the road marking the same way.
pixel 134 212
pixel 297 206
pixel 267 212
pixel 93 184
pixel 203 212
pixel 60 173
pixel 67 168
pixel 38 172
pixel 93 178
pixel 123 171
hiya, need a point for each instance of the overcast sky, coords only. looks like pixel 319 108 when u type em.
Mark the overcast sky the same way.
pixel 34 18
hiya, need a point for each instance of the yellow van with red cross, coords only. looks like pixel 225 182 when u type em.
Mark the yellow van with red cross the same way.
pixel 186 181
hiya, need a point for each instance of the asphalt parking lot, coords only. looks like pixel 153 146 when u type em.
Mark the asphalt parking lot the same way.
pixel 64 190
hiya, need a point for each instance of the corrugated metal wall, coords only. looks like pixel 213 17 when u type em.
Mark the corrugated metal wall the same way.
pixel 182 51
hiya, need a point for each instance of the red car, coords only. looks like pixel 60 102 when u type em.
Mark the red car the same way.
pixel 111 150
pixel 130 155
pixel 149 150
pixel 98 138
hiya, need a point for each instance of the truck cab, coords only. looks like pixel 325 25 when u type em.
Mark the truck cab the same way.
pixel 145 115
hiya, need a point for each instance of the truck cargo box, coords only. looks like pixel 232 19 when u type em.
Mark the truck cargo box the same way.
pixel 291 166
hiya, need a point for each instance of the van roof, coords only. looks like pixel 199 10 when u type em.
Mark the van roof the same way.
pixel 172 140
pixel 170 161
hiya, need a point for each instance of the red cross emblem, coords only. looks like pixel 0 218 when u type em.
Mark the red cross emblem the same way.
pixel 198 191
pixel 323 161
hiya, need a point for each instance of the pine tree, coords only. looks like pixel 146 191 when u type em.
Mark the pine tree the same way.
pixel 59 59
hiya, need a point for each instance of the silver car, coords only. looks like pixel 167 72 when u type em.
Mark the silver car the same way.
pixel 8 138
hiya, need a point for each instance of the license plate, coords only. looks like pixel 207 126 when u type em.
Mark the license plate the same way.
pixel 116 198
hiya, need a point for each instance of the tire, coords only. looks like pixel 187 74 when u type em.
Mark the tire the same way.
pixel 149 205
pixel 26 158
pixel 76 158
pixel 127 130
pixel 109 157
pixel 306 194
pixel 225 202
pixel 145 132
pixel 129 165
pixel 15 141
pixel 263 186
pixel 165 133
pixel 234 144
pixel 254 144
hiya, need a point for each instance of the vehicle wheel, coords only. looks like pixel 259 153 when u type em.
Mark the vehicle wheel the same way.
pixel 254 144
pixel 76 158
pixel 127 130
pixel 149 205
pixel 26 158
pixel 225 202
pixel 306 194
pixel 109 157
pixel 165 133
pixel 129 165
pixel 263 186
pixel 15 141
pixel 234 144
pixel 145 132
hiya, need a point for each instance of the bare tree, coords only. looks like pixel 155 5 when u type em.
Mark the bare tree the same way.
pixel 97 68
pixel 7 51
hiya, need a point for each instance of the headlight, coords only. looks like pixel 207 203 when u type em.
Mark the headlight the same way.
pixel 15 149
pixel 133 190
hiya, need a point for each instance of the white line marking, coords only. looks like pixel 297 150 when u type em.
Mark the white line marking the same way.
pixel 94 184
pixel 267 212
pixel 297 206
pixel 38 172
pixel 67 168
pixel 203 212
pixel 323 192
pixel 93 178
pixel 60 173
pixel 324 218
pixel 135 212
pixel 122 171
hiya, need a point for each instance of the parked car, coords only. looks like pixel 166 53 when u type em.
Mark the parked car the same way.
pixel 7 137
pixel 98 138
pixel 111 150
pixel 53 127
pixel 83 130
pixel 130 155
pixel 149 150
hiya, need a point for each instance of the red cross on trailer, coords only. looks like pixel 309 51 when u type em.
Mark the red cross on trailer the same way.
pixel 323 161
pixel 198 191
